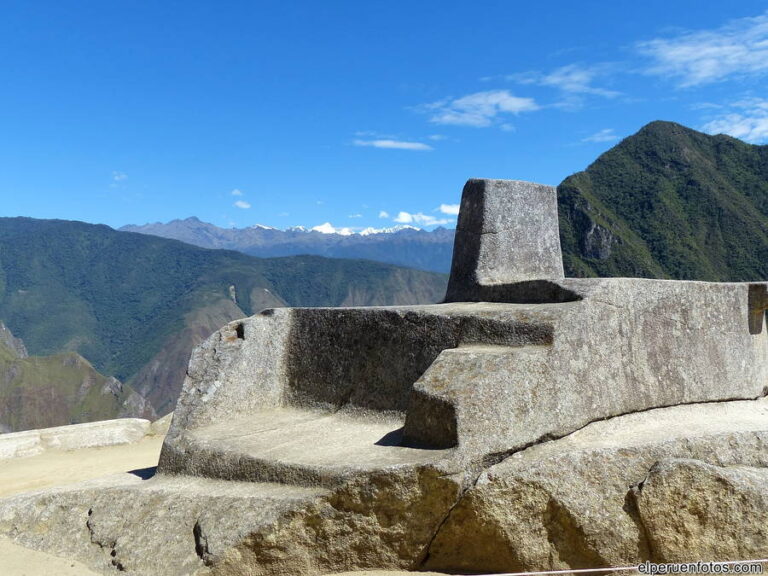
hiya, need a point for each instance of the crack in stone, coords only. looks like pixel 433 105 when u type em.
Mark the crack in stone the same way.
pixel 201 544
pixel 102 545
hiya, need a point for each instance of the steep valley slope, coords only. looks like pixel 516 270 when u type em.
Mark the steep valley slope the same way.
pixel 135 305
pixel 59 389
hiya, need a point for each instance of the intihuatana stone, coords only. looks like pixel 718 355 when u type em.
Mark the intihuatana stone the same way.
pixel 507 232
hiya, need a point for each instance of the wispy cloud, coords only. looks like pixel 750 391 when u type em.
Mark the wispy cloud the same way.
pixel 355 216
pixel 452 209
pixel 479 109
pixel 236 192
pixel 393 144
pixel 383 214
pixel 242 204
pixel 118 176
pixel 572 79
pixel 739 48
pixel 420 218
pixel 605 135
pixel 745 119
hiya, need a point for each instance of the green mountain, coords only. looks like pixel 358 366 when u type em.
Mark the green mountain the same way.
pixel 135 305
pixel 669 202
pixel 38 391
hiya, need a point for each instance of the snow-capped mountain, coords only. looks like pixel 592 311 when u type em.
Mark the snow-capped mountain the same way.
pixel 403 245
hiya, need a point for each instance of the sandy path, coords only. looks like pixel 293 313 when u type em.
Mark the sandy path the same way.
pixel 55 468
pixel 18 561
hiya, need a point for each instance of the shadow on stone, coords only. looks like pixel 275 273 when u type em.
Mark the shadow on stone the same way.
pixel 394 438
pixel 144 473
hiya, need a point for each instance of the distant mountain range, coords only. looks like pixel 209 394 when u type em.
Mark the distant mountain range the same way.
pixel 402 245
pixel 666 202
pixel 135 305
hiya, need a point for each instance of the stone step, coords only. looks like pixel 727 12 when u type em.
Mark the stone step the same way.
pixel 296 447
pixel 169 525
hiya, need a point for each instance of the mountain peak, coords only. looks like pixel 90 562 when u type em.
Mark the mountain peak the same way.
pixel 669 202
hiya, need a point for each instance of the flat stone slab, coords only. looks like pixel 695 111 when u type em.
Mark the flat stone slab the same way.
pixel 72 437
pixel 300 447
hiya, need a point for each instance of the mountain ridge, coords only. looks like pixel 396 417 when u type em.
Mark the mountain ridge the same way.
pixel 669 202
pixel 400 245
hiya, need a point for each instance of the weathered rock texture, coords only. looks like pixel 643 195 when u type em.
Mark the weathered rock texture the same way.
pixel 16 345
pixel 507 232
pixel 512 430
pixel 575 502
pixel 714 511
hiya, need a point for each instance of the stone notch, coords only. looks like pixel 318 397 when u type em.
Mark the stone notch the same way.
pixel 758 304
pixel 507 232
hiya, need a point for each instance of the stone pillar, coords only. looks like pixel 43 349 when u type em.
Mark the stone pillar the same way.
pixel 507 232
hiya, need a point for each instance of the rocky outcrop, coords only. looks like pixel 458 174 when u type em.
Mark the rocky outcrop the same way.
pixel 15 345
pixel 690 508
pixel 575 502
pixel 160 527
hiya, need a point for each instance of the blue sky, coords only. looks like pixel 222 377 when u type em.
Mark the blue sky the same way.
pixel 359 113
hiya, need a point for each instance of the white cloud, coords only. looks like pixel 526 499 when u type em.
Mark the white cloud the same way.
pixel 437 137
pixel 328 228
pixel 355 216
pixel 393 144
pixel 242 204
pixel 573 79
pixel 452 209
pixel 746 119
pixel 383 214
pixel 419 218
pixel 118 176
pixel 236 192
pixel 739 48
pixel 373 135
pixel 605 135
pixel 479 109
